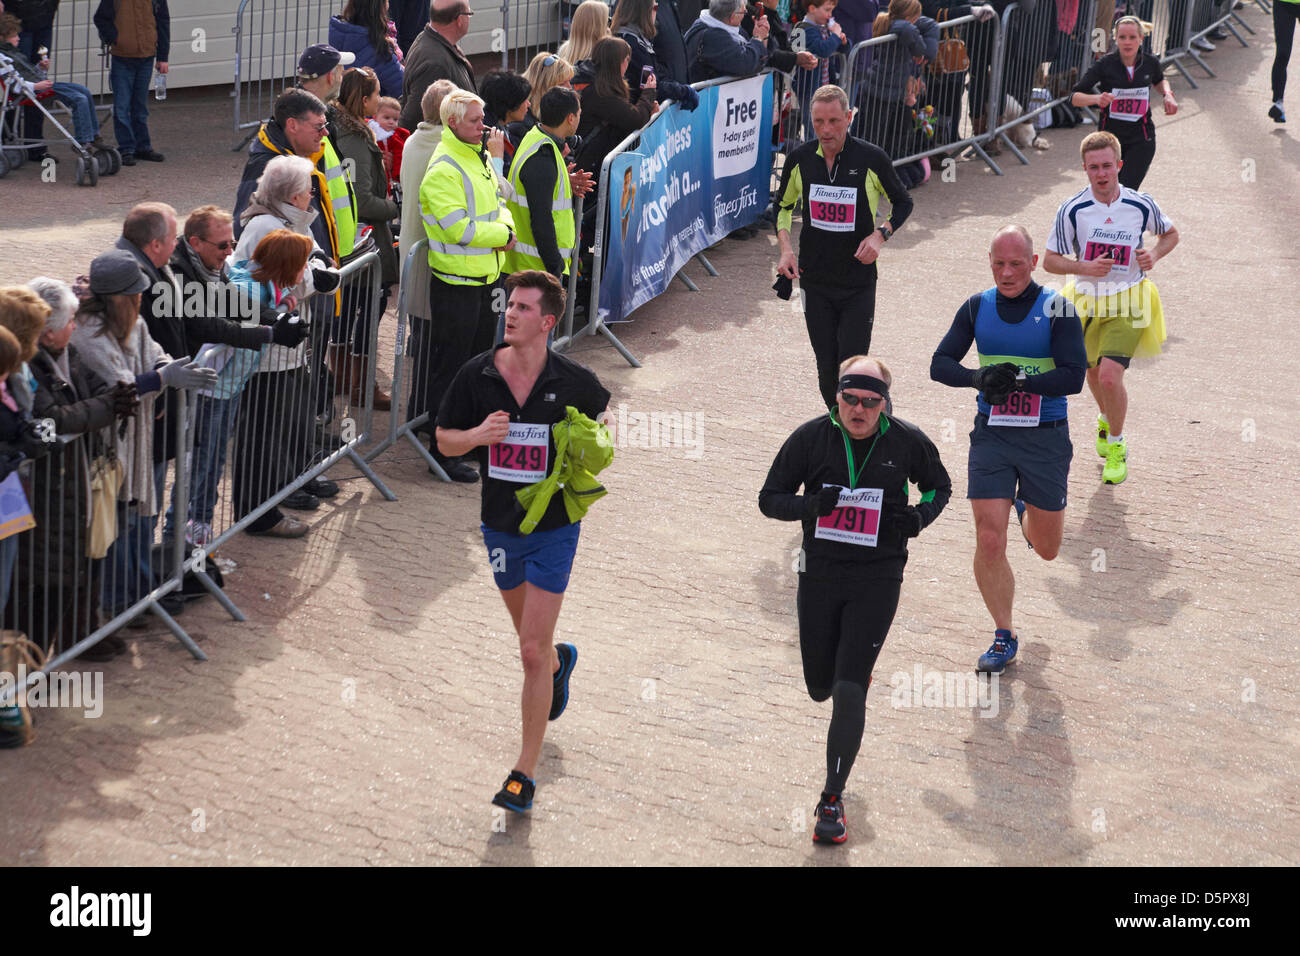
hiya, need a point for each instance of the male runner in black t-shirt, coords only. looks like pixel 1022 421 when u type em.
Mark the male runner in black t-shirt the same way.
pixel 502 404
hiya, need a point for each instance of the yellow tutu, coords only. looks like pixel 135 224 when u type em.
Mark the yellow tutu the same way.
pixel 1129 323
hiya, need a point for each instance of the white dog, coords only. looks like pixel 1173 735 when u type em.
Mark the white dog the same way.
pixel 1022 134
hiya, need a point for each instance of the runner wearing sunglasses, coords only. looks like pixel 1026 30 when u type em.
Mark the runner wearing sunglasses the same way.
pixel 853 466
pixel 1031 357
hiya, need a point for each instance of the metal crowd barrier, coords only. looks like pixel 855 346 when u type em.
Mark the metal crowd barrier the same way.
pixel 284 430
pixel 75 51
pixel 270 35
pixel 62 598
pixel 962 100
pixel 529 27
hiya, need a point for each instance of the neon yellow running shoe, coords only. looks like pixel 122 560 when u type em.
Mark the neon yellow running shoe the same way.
pixel 1116 469
pixel 1103 436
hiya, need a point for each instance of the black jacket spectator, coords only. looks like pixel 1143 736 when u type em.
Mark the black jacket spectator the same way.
pixel 670 48
pixel 431 58
pixel 713 51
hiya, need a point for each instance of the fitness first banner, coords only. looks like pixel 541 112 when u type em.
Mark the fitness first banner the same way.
pixel 695 177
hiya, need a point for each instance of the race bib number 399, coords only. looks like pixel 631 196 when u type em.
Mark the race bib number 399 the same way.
pixel 522 455
pixel 855 520
pixel 833 208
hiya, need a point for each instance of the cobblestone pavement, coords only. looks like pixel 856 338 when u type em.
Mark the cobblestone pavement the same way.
pixel 1152 718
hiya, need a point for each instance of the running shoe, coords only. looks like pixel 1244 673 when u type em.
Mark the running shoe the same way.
pixel 516 793
pixel 560 687
pixel 830 826
pixel 1103 436
pixel 1276 113
pixel 1020 516
pixel 1002 653
pixel 1116 469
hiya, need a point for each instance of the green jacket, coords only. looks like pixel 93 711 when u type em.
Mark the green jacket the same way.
pixel 583 449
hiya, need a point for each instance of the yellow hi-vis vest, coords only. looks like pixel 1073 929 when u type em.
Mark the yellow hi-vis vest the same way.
pixel 342 203
pixel 338 205
pixel 465 218
pixel 525 254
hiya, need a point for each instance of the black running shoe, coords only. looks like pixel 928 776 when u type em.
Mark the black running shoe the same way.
pixel 560 682
pixel 830 826
pixel 1276 114
pixel 516 793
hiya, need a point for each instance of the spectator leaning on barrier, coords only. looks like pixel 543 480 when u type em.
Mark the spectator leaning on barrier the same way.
pixel 200 260
pixel 358 99
pixel 135 31
pixel 274 416
pixel 541 198
pixel 469 228
pixel 716 47
pixel 634 23
pixel 19 440
pixel 607 114
pixel 780 55
pixel 435 55
pixel 117 347
pixel 363 31
pixel 65 596
pixel 885 118
pixel 416 154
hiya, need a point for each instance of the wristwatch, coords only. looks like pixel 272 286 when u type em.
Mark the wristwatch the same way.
pixel 885 231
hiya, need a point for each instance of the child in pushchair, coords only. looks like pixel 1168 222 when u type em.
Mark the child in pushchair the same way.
pixel 22 79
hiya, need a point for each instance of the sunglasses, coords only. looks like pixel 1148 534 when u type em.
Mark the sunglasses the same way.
pixel 223 246
pixel 853 401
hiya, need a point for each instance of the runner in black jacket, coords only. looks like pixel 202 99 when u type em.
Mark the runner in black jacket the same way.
pixel 856 524
pixel 838 180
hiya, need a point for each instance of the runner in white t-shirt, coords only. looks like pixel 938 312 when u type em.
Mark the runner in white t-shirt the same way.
pixel 1102 228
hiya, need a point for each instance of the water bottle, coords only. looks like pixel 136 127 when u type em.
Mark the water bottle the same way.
pixel 160 86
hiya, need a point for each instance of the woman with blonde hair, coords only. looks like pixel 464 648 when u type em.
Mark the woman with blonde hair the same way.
pixel 545 72
pixel 590 26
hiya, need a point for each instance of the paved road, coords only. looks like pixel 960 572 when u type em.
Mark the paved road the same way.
pixel 367 710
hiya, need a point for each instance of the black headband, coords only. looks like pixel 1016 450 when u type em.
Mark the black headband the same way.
pixel 865 382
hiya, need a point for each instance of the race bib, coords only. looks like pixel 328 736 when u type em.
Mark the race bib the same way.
pixel 1020 410
pixel 522 455
pixel 1111 242
pixel 855 520
pixel 833 208
pixel 1130 105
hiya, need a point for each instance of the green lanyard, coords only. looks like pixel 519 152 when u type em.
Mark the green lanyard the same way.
pixel 848 452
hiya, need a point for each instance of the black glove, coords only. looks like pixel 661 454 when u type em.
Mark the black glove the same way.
pixel 996 382
pixel 783 287
pixel 30 442
pixel 289 331
pixel 324 277
pixel 125 399
pixel 821 503
pixel 903 519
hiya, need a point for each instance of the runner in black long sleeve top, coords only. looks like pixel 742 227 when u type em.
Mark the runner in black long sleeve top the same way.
pixel 838 180
pixel 853 467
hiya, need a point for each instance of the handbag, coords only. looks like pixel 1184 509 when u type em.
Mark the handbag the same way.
pixel 15 718
pixel 106 474
pixel 951 56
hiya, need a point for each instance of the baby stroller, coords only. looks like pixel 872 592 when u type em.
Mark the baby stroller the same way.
pixel 93 159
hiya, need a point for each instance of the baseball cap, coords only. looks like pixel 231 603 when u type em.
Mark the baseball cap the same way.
pixel 116 272
pixel 319 58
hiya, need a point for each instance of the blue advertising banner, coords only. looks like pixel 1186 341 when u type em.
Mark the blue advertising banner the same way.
pixel 694 178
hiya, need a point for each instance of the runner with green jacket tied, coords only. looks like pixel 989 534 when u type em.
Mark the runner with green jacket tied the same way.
pixel 854 466
pixel 522 407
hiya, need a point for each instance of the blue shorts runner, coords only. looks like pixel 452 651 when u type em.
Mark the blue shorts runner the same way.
pixel 543 558
pixel 1037 460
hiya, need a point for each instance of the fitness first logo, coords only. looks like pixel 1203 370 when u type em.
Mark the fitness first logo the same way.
pixel 737 127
